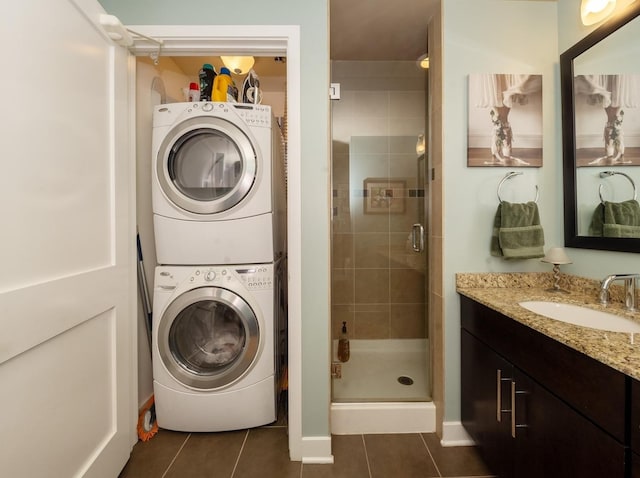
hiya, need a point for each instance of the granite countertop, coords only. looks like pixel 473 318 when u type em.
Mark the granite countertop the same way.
pixel 503 291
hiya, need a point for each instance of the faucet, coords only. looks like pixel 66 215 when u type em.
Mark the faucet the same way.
pixel 629 289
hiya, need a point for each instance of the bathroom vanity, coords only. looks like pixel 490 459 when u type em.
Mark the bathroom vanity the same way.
pixel 544 398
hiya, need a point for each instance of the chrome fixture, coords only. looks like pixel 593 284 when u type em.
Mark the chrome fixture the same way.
pixel 629 289
pixel 510 175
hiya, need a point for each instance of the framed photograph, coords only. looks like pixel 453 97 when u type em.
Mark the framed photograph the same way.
pixel 384 196
pixel 505 120
pixel 607 119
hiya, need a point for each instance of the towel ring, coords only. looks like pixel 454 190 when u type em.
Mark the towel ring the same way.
pixel 606 174
pixel 509 175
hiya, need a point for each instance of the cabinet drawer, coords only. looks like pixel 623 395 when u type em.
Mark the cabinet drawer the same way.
pixel 592 388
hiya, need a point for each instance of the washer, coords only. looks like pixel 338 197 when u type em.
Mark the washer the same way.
pixel 217 338
pixel 218 185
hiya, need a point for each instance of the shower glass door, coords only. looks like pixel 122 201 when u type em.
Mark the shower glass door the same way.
pixel 379 257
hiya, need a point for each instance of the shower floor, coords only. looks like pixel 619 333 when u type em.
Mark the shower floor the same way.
pixel 373 370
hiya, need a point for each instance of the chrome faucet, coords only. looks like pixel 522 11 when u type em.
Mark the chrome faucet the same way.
pixel 629 289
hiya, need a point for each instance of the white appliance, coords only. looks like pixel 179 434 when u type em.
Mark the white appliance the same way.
pixel 218 343
pixel 218 184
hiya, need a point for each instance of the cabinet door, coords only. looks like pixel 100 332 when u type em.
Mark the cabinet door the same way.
pixel 486 406
pixel 553 440
pixel 635 465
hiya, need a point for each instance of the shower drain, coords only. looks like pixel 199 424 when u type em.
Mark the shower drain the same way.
pixel 404 380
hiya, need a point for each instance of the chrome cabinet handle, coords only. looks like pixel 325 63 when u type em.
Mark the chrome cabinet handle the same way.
pixel 417 237
pixel 499 409
pixel 515 392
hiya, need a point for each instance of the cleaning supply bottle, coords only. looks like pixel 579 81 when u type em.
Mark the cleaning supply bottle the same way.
pixel 343 344
pixel 224 88
pixel 207 77
pixel 194 92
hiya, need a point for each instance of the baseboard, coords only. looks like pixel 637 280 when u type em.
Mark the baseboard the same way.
pixel 382 417
pixel 317 450
pixel 454 434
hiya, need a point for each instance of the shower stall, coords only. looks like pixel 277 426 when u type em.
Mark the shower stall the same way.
pixel 378 249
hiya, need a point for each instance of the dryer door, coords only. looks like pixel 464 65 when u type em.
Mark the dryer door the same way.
pixel 206 165
pixel 208 338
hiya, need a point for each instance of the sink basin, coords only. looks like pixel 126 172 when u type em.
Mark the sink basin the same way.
pixel 583 316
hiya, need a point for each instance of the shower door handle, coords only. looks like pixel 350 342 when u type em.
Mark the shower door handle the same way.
pixel 417 237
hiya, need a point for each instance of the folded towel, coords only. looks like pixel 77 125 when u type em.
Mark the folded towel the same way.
pixel 616 219
pixel 517 233
pixel 597 221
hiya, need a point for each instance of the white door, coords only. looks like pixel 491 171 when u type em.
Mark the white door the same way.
pixel 67 255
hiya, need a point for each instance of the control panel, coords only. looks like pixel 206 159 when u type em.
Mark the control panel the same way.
pixel 253 277
pixel 256 277
pixel 254 115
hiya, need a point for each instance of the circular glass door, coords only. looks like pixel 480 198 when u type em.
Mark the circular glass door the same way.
pixel 206 165
pixel 208 338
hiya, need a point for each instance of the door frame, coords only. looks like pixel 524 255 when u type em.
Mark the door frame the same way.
pixel 258 40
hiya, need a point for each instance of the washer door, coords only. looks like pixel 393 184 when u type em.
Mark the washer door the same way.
pixel 208 338
pixel 206 165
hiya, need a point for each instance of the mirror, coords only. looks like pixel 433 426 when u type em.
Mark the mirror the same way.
pixel 600 86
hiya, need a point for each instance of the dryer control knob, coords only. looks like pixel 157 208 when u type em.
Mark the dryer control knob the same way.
pixel 209 276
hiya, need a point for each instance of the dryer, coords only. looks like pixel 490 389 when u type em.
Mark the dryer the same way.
pixel 217 338
pixel 218 184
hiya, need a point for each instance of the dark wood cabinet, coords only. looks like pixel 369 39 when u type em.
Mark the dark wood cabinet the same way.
pixel 635 429
pixel 486 377
pixel 532 415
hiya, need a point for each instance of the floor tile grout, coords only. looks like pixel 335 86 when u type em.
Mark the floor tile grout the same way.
pixel 176 456
pixel 430 455
pixel 366 456
pixel 235 466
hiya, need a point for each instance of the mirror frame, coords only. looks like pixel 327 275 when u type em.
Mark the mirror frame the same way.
pixel 569 170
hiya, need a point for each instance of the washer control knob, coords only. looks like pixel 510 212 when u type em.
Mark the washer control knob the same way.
pixel 209 276
pixel 207 107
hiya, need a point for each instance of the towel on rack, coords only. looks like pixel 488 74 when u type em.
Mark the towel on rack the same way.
pixel 616 219
pixel 517 233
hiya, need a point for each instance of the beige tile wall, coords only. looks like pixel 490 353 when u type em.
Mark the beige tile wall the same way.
pixel 378 282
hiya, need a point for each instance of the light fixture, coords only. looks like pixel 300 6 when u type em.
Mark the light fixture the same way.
pixel 420 145
pixel 556 256
pixel 594 11
pixel 423 61
pixel 240 65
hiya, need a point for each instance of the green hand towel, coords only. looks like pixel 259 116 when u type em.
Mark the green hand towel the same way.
pixel 597 221
pixel 518 231
pixel 616 219
pixel 617 230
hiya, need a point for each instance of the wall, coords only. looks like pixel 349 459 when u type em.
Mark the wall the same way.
pixel 491 36
pixel 482 36
pixel 312 16
pixel 377 280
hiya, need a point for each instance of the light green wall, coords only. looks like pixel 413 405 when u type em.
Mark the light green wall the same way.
pixel 502 36
pixel 312 16
pixel 492 36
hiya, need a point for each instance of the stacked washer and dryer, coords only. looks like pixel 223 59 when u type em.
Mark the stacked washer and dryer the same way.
pixel 219 305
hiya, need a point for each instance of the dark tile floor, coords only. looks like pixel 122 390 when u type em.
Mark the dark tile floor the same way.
pixel 263 452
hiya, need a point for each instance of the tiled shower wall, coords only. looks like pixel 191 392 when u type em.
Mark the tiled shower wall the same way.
pixel 378 282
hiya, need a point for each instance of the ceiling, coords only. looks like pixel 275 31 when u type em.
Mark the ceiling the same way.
pixel 359 30
pixel 380 29
pixel 373 30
